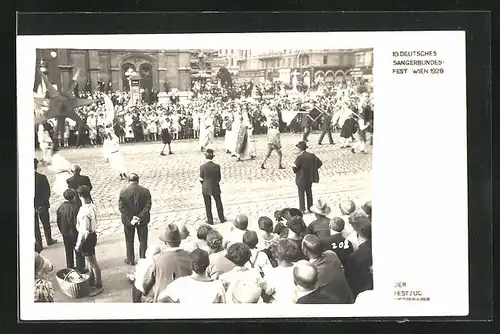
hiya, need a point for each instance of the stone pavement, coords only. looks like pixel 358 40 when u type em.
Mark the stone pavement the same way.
pixel 177 198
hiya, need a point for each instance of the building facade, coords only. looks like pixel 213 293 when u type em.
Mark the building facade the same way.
pixel 307 65
pixel 160 70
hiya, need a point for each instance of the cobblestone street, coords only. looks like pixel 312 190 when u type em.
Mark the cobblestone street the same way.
pixel 176 192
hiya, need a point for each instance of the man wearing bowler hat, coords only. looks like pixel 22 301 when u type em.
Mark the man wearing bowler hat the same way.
pixel 209 178
pixel 306 168
pixel 172 263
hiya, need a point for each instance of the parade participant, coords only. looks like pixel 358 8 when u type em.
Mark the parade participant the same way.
pixel 362 126
pixel 112 154
pixel 45 143
pixel 62 168
pixel 248 150
pixel 306 168
pixel 42 205
pixel 307 125
pixel 135 204
pixel 326 127
pixel 165 135
pixel 206 129
pixel 210 177
pixel 237 135
pixel 273 143
pixel 229 136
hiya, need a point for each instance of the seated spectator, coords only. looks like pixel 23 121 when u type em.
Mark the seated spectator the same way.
pixel 280 227
pixel 219 263
pixel 367 208
pixel 321 226
pixel 307 288
pixel 201 234
pixel 258 259
pixel 172 263
pixel 296 232
pixel 349 232
pixel 266 237
pixel 237 230
pixel 142 269
pixel 336 242
pixel 197 288
pixel 239 254
pixel 330 270
pixel 44 291
pixel 358 268
pixel 280 278
pixel 245 291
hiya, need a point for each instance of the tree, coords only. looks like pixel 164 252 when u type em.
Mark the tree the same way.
pixel 225 77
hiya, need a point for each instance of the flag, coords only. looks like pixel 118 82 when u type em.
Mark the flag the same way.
pixel 288 115
pixel 110 110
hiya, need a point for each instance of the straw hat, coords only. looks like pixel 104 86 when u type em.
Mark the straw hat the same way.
pixel 321 208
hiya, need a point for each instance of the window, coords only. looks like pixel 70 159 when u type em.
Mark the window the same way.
pixel 325 60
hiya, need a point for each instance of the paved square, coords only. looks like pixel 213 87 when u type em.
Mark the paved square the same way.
pixel 246 188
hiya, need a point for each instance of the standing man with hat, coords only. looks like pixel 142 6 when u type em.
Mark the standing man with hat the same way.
pixel 209 178
pixel 326 127
pixel 134 204
pixel 306 168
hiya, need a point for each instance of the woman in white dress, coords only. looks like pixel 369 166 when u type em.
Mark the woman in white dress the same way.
pixel 112 154
pixel 228 138
pixel 196 124
pixel 45 143
pixel 249 149
pixel 62 168
pixel 207 130
pixel 129 131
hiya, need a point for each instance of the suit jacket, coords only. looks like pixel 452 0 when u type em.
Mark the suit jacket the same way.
pixel 306 169
pixel 135 200
pixel 331 276
pixel 66 218
pixel 337 243
pixel 327 120
pixel 78 180
pixel 210 174
pixel 42 190
pixel 357 269
pixel 319 296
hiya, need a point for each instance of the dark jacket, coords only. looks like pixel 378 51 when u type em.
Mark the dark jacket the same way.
pixel 340 245
pixel 306 169
pixel 42 190
pixel 210 173
pixel 357 269
pixel 319 296
pixel 168 266
pixel 135 200
pixel 331 275
pixel 320 228
pixel 66 218
pixel 327 120
pixel 78 180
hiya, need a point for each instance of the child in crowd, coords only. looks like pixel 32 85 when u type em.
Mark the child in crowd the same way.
pixel 266 237
pixel 141 270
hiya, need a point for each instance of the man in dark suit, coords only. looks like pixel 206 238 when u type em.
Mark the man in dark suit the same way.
pixel 326 128
pixel 135 204
pixel 66 221
pixel 307 125
pixel 78 180
pixel 42 205
pixel 306 168
pixel 305 277
pixel 210 178
pixel 358 268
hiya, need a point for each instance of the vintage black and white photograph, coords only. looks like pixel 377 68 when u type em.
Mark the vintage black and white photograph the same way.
pixel 203 176
pixel 218 169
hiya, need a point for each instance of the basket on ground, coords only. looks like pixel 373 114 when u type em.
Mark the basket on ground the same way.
pixel 72 283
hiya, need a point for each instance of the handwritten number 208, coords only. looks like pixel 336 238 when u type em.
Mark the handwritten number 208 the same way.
pixel 344 245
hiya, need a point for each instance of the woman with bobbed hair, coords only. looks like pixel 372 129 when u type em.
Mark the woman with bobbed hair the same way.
pixel 297 229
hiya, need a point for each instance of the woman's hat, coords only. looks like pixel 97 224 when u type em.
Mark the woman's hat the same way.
pixel 302 145
pixel 321 208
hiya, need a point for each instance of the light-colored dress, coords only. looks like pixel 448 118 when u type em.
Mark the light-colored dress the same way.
pixel 62 168
pixel 111 151
pixel 249 149
pixel 207 130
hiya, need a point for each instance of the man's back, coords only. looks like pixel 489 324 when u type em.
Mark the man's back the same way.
pixel 340 245
pixel 331 273
pixel 358 269
pixel 307 165
pixel 135 200
pixel 219 264
pixel 210 173
pixel 78 180
pixel 42 190
pixel 66 217
pixel 170 265
pixel 319 296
